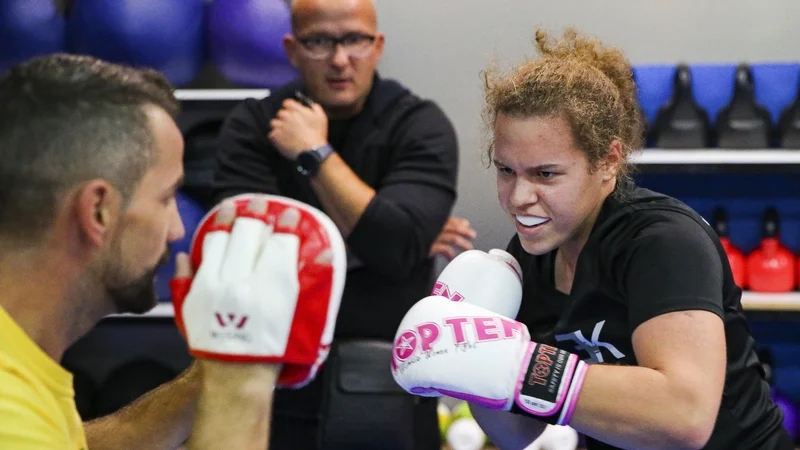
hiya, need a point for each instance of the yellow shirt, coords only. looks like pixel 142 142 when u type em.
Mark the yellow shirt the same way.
pixel 37 401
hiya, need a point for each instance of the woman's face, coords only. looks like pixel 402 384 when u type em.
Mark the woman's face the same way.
pixel 544 182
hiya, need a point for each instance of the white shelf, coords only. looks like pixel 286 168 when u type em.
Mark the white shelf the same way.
pixel 220 94
pixel 716 156
pixel 758 301
pixel 162 309
pixel 754 301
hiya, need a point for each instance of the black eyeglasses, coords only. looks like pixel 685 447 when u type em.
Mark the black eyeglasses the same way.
pixel 321 46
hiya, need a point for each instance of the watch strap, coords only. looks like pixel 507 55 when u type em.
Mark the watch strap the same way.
pixel 323 151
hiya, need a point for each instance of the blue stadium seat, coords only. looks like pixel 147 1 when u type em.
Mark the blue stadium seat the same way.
pixel 245 39
pixel 713 86
pixel 29 28
pixel 164 35
pixel 191 213
pixel 776 86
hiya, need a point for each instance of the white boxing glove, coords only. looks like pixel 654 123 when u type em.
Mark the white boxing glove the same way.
pixel 471 353
pixel 492 280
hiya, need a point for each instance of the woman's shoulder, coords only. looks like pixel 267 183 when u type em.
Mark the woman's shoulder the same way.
pixel 646 211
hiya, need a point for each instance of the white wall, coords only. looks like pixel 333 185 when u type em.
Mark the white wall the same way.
pixel 439 47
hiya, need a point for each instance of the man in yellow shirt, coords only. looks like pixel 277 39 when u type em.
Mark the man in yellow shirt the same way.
pixel 90 159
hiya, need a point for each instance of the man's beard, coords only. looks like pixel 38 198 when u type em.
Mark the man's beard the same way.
pixel 135 296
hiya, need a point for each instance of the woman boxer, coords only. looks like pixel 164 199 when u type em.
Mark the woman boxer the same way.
pixel 617 274
pixel 636 335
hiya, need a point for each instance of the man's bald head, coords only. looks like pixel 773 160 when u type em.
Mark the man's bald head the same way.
pixel 307 11
pixel 336 47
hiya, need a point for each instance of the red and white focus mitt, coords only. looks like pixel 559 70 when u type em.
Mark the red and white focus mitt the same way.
pixel 266 288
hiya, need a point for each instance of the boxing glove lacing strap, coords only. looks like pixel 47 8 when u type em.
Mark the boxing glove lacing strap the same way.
pixel 549 384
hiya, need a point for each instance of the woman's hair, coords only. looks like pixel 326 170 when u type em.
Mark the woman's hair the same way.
pixel 578 78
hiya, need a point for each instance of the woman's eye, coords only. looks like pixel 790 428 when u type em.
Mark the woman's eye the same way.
pixel 505 170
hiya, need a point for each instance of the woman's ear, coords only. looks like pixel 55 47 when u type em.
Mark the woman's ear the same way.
pixel 612 160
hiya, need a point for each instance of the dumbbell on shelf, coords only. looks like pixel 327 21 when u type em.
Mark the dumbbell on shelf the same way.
pixel 682 123
pixel 743 123
pixel 771 267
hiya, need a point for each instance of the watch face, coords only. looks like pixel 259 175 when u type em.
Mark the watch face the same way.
pixel 307 163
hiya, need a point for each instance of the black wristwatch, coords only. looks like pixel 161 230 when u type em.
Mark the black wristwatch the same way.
pixel 308 162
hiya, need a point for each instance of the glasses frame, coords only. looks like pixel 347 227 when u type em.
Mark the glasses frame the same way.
pixel 337 41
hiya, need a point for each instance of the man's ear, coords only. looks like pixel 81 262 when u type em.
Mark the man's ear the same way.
pixel 290 47
pixel 97 209
pixel 380 40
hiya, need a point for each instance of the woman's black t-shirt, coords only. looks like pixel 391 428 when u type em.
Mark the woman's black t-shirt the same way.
pixel 649 255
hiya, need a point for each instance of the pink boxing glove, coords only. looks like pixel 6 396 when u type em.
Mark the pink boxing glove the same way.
pixel 471 353
pixel 492 280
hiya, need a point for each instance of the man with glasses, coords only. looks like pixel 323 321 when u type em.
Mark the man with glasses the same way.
pixel 382 163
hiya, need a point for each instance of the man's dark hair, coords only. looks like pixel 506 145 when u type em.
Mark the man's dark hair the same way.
pixel 67 119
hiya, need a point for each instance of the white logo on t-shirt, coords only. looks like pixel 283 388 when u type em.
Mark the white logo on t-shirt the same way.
pixel 592 347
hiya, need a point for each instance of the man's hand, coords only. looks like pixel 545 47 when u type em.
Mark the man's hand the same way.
pixel 268 286
pixel 297 128
pixel 257 300
pixel 457 234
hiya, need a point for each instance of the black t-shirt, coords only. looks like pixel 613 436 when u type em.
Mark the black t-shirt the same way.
pixel 646 256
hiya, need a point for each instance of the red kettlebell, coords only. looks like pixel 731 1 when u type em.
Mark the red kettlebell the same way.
pixel 735 256
pixel 771 267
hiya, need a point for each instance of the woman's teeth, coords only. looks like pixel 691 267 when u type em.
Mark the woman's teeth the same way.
pixel 531 221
